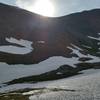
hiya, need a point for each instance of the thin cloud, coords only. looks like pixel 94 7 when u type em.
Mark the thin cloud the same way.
pixel 25 3
pixel 63 7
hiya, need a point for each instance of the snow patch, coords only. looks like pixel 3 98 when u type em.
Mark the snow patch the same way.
pixel 59 73
pixel 27 48
pixel 78 81
pixel 76 47
pixel 98 39
pixel 31 92
pixel 21 42
pixel 80 55
pixel 98 33
pixel 15 50
pixel 87 46
pixel 98 43
pixel 42 42
pixel 76 51
pixel 10 72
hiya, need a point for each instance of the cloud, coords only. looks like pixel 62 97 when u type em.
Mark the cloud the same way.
pixel 26 4
pixel 63 7
pixel 72 6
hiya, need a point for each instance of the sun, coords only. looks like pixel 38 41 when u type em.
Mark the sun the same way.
pixel 43 7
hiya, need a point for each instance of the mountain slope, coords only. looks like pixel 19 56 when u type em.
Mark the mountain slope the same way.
pixel 61 46
pixel 48 36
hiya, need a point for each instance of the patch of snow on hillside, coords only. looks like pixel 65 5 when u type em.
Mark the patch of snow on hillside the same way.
pixel 98 43
pixel 76 51
pixel 59 73
pixel 86 87
pixel 98 33
pixel 78 82
pixel 87 46
pixel 98 39
pixel 14 50
pixel 76 47
pixel 21 42
pixel 41 42
pixel 27 48
pixel 80 55
pixel 10 72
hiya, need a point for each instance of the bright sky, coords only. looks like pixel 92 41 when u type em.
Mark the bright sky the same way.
pixel 55 7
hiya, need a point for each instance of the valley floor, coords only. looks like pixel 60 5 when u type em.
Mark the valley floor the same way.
pixel 85 86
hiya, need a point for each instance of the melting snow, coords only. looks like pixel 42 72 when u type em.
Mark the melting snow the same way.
pixel 76 47
pixel 87 46
pixel 86 87
pixel 98 39
pixel 42 42
pixel 76 82
pixel 98 43
pixel 80 55
pixel 21 42
pixel 59 73
pixel 75 51
pixel 15 50
pixel 98 33
pixel 27 48
pixel 10 72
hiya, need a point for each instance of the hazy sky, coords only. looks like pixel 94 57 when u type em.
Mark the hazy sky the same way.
pixel 63 7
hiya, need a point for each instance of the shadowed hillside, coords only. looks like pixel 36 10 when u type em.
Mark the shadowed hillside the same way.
pixel 49 36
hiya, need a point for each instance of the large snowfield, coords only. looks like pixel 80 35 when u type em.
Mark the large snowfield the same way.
pixel 85 86
pixel 80 87
pixel 11 72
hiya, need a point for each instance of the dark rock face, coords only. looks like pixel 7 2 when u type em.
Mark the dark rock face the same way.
pixel 58 33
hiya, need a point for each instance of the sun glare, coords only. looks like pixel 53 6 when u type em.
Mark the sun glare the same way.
pixel 43 7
